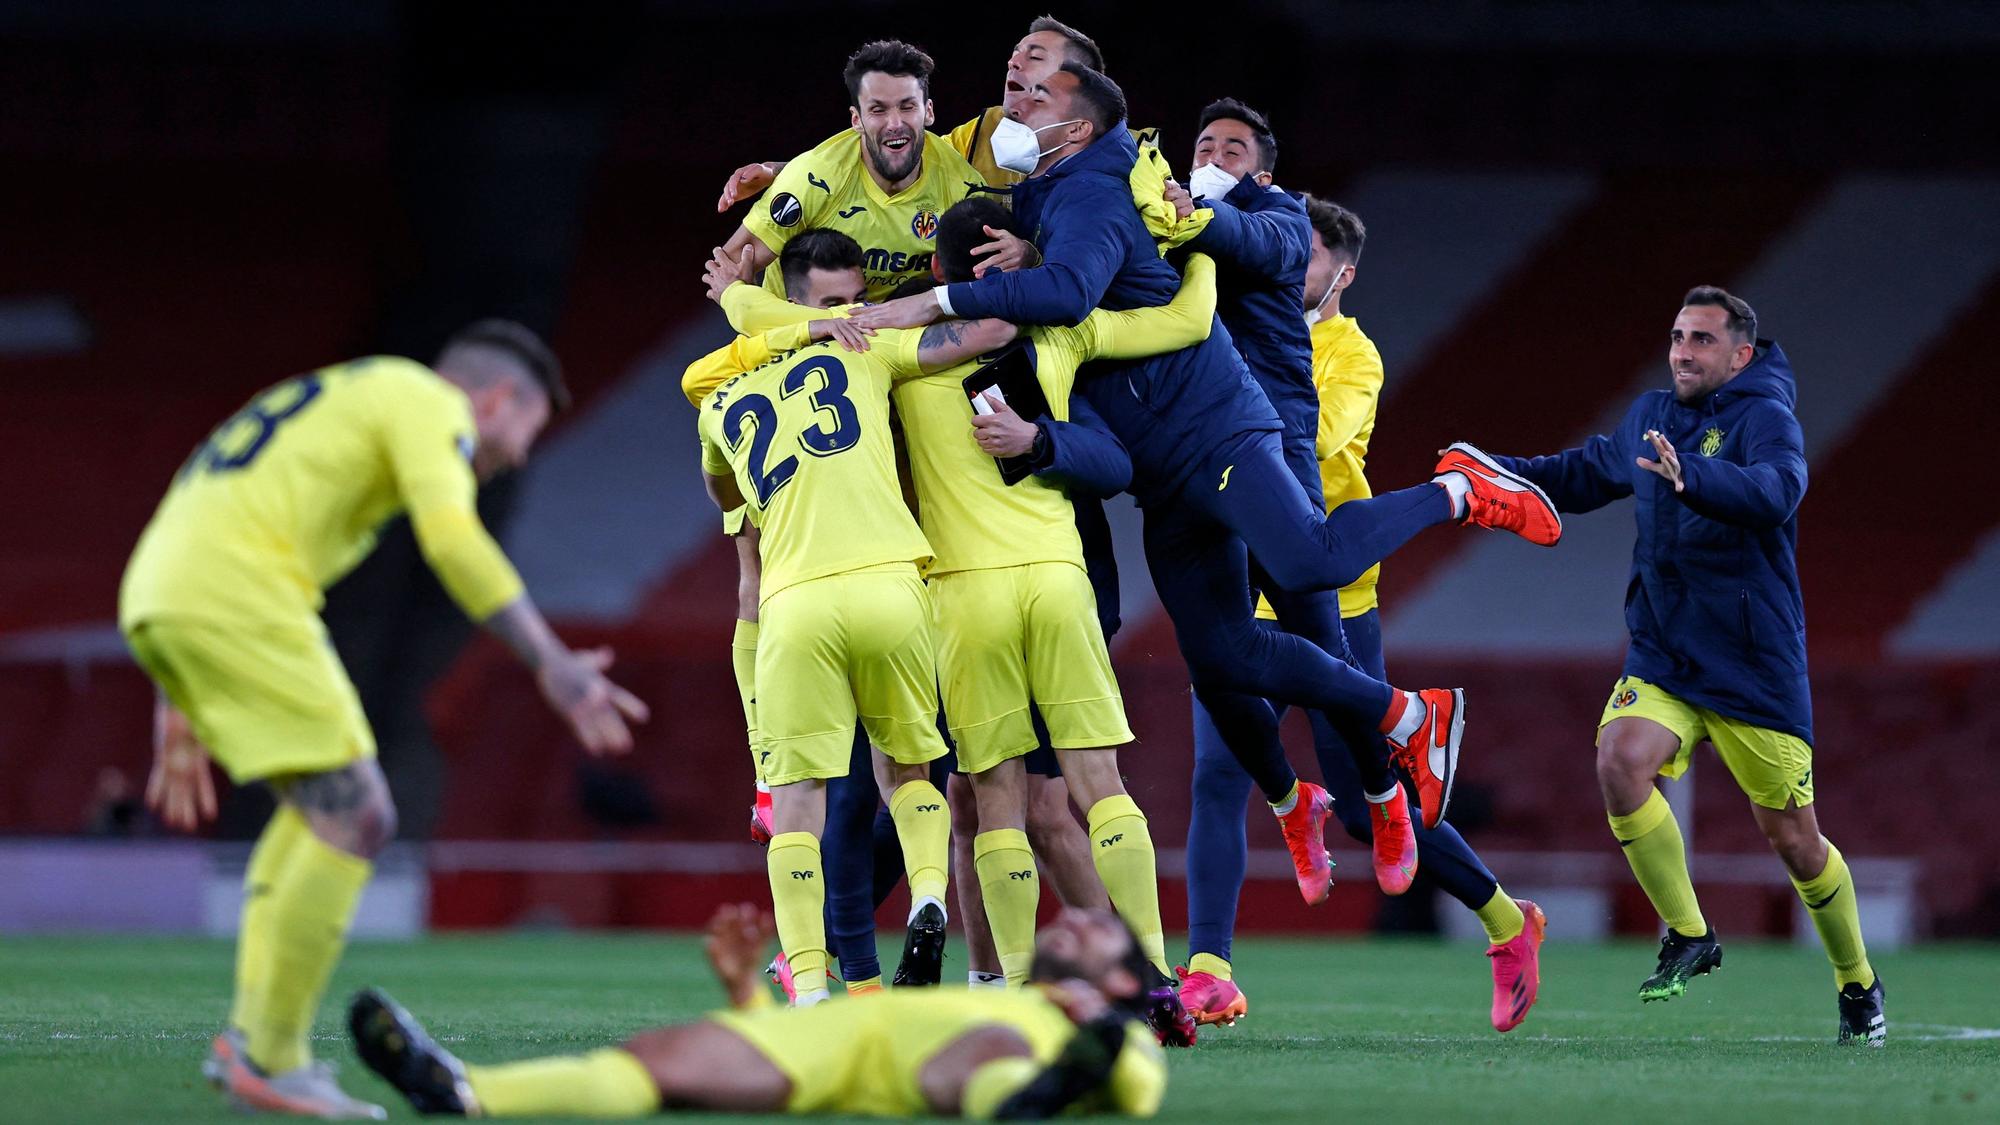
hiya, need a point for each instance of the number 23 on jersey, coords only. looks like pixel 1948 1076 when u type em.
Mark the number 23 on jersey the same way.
pixel 835 426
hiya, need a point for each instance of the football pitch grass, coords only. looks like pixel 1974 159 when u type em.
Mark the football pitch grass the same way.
pixel 102 1029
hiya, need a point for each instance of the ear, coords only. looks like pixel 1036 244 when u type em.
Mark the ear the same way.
pixel 1263 179
pixel 854 118
pixel 930 115
pixel 1745 353
pixel 937 268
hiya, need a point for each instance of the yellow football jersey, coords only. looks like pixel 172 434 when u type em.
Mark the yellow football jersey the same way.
pixel 828 188
pixel 974 141
pixel 866 1054
pixel 1347 370
pixel 807 438
pixel 973 519
pixel 287 495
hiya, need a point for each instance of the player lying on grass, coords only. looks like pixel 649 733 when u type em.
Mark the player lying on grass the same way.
pixel 220 606
pixel 1068 1040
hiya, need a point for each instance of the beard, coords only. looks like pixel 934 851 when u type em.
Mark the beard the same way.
pixel 894 166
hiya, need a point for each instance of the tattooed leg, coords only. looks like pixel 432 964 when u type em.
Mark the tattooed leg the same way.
pixel 349 808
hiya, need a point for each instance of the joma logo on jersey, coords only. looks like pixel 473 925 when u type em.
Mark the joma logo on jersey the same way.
pixel 802 874
pixel 1110 840
pixel 1711 442
pixel 1020 874
pixel 878 260
pixel 1625 699
pixel 929 808
pixel 924 224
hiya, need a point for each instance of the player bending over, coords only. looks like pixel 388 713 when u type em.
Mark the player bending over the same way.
pixel 1067 1041
pixel 220 605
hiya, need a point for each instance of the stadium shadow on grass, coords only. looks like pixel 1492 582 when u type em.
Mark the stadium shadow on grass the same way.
pixel 114 1029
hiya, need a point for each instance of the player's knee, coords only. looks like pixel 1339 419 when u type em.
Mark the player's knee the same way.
pixel 374 825
pixel 1797 843
pixel 1623 762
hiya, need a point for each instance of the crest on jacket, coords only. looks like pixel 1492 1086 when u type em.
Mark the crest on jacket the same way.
pixel 1711 442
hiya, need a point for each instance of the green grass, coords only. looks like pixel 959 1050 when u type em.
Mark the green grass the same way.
pixel 111 1029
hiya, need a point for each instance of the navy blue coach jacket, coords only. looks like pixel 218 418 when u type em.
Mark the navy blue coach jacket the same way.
pixel 1096 251
pixel 1713 604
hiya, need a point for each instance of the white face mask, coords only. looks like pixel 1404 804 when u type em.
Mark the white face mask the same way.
pixel 1018 148
pixel 1332 287
pixel 1209 182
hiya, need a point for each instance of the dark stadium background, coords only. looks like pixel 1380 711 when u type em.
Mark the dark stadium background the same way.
pixel 201 198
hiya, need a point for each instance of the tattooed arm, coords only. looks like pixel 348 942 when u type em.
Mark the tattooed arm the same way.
pixel 573 682
pixel 949 343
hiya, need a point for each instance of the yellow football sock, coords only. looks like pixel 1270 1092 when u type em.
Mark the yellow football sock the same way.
pixel 872 984
pixel 993 1083
pixel 1122 848
pixel 924 828
pixel 304 924
pixel 743 656
pixel 1652 841
pixel 275 845
pixel 798 898
pixel 1211 964
pixel 1502 917
pixel 607 1083
pixel 1283 805
pixel 1829 898
pixel 1007 881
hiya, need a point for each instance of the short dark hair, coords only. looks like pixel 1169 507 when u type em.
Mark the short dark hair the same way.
pixel 1338 227
pixel 961 228
pixel 1742 318
pixel 1229 109
pixel 1098 99
pixel 817 250
pixel 1082 48
pixel 520 343
pixel 887 56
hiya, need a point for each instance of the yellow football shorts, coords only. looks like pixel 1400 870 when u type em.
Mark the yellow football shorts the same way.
pixel 847 646
pixel 1771 767
pixel 266 700
pixel 1014 634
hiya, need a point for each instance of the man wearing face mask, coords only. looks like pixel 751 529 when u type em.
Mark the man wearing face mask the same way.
pixel 1208 467
pixel 1261 241
pixel 883 182
pixel 1347 375
pixel 1048 44
pixel 1716 465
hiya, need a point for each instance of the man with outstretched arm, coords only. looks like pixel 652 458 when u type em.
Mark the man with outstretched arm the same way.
pixel 220 605
pixel 1716 466
pixel 1208 468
